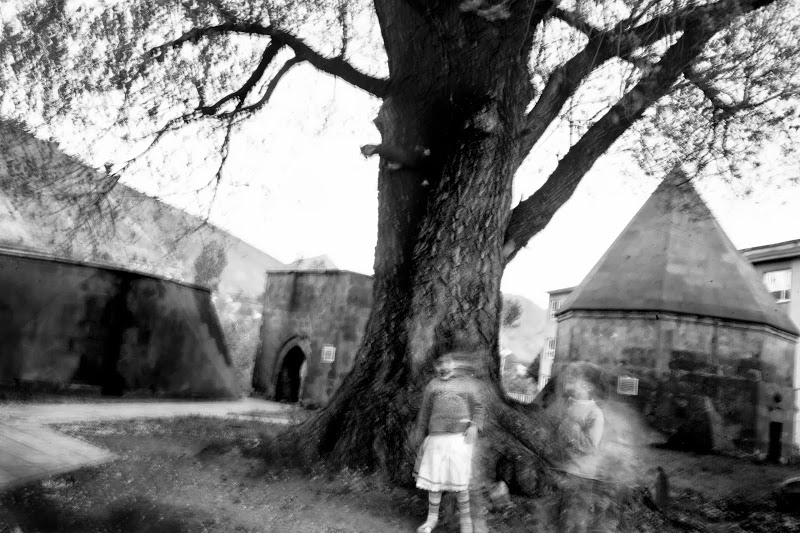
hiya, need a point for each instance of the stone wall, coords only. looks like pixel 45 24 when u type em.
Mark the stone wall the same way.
pixel 679 360
pixel 308 310
pixel 63 322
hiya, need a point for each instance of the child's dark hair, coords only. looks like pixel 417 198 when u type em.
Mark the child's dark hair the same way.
pixel 452 341
pixel 439 357
pixel 592 375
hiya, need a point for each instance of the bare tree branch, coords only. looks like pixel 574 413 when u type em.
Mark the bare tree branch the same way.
pixel 241 94
pixel 273 84
pixel 533 214
pixel 225 12
pixel 173 124
pixel 616 42
pixel 720 101
pixel 188 118
pixel 224 151
pixel 335 66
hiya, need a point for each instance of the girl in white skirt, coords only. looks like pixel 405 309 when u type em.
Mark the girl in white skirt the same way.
pixel 451 416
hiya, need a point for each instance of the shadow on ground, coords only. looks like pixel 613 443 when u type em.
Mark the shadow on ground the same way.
pixel 37 509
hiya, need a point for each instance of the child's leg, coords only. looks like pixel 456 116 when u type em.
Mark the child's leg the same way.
pixel 434 499
pixel 463 512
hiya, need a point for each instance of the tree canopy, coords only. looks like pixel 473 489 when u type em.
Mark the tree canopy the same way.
pixel 709 82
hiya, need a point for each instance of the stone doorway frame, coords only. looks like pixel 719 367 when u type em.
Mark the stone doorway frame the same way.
pixel 304 345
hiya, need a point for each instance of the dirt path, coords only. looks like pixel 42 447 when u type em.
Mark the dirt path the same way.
pixel 52 413
pixel 29 451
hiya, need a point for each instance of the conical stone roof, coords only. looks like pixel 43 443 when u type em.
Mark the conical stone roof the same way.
pixel 674 257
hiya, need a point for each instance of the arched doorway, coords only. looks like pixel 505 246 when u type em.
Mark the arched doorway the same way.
pixel 291 376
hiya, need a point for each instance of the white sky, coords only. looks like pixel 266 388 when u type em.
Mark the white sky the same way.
pixel 297 186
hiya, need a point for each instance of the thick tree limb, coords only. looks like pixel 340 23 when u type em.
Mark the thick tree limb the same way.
pixel 335 66
pixel 533 214
pixel 616 42
pixel 576 21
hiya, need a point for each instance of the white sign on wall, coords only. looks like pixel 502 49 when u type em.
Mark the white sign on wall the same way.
pixel 328 353
pixel 627 386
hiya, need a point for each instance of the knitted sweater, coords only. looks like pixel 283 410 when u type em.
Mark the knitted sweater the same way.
pixel 450 406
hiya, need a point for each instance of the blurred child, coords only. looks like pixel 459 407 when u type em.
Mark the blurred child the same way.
pixel 582 429
pixel 450 418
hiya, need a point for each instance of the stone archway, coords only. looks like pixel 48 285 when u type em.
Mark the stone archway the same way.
pixel 291 365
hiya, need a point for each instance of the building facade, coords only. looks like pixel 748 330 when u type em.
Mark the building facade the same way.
pixel 556 299
pixel 313 323
pixel 686 324
pixel 779 266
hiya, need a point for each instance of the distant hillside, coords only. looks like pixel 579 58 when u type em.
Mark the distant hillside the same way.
pixel 527 339
pixel 53 203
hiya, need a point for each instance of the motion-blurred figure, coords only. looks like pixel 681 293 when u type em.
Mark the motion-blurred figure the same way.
pixel 661 488
pixel 582 430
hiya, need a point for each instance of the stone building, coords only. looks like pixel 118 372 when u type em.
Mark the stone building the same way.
pixel 313 323
pixel 683 321
pixel 779 266
pixel 557 297
pixel 64 322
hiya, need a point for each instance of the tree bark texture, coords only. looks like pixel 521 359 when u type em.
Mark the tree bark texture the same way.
pixel 452 116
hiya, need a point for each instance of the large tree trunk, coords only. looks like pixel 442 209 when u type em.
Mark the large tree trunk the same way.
pixel 450 138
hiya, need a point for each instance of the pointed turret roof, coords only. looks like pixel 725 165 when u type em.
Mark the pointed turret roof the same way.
pixel 673 256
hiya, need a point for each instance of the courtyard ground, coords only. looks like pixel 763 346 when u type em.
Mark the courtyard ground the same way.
pixel 200 474
pixel 194 474
pixel 111 410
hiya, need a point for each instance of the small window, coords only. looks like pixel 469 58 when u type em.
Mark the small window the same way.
pixel 550 347
pixel 627 386
pixel 555 305
pixel 779 284
pixel 328 353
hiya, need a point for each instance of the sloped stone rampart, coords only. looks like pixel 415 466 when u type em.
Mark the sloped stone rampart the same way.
pixel 64 322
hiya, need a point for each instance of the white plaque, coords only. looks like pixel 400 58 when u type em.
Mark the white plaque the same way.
pixel 328 353
pixel 627 386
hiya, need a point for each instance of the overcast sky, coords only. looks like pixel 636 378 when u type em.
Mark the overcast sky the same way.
pixel 297 186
